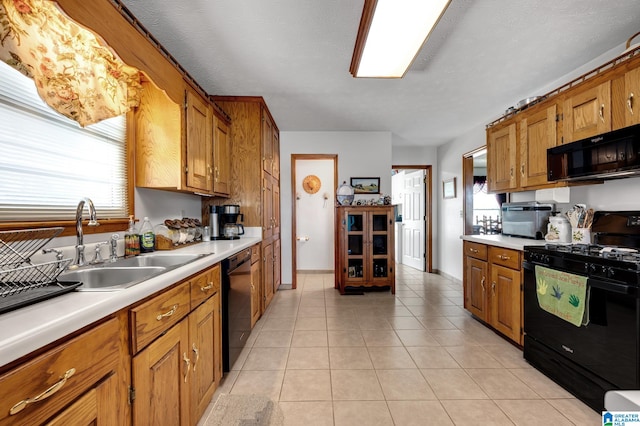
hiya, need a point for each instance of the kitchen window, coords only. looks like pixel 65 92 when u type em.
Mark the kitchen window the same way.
pixel 49 162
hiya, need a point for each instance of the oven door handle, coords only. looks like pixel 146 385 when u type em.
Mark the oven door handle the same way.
pixel 614 287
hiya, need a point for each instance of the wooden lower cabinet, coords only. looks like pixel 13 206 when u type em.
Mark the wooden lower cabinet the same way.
pixel 82 369
pixel 161 380
pixel 476 287
pixel 256 288
pixel 93 408
pixel 505 301
pixel 175 376
pixel 267 275
pixel 202 353
pixel 493 287
pixel 164 354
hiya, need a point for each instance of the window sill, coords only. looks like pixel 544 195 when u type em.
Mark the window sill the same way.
pixel 106 225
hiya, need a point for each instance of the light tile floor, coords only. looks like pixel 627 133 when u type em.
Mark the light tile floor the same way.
pixel 414 359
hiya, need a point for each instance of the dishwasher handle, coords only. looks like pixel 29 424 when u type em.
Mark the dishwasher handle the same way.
pixel 238 260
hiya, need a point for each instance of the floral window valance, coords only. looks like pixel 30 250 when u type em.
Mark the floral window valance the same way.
pixel 73 69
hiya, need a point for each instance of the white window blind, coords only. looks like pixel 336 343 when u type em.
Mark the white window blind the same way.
pixel 48 163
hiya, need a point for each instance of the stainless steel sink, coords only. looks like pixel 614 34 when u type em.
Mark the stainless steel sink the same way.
pixel 155 259
pixel 110 279
pixel 124 273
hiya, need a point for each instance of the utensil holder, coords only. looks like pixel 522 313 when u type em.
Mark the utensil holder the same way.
pixel 581 235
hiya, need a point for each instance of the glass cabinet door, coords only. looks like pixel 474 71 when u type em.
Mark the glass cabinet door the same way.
pixel 356 245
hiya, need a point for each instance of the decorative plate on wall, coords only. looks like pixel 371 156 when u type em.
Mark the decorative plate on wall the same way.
pixel 311 184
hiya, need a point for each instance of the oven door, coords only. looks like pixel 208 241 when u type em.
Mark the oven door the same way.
pixel 607 346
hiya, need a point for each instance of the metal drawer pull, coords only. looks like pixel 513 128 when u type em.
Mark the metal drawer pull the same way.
pixel 630 103
pixel 46 394
pixel 197 352
pixel 207 287
pixel 602 112
pixel 482 284
pixel 472 250
pixel 187 365
pixel 493 287
pixel 503 257
pixel 168 314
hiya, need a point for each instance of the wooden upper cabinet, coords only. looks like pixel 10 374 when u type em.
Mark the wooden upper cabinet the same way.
pixel 275 169
pixel 270 146
pixel 537 134
pixel 158 140
pixel 221 157
pixel 267 142
pixel 632 97
pixel 199 146
pixel 174 145
pixel 587 113
pixel 502 148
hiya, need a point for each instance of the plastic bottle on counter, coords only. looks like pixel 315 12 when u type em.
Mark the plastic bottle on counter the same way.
pixel 147 237
pixel 131 239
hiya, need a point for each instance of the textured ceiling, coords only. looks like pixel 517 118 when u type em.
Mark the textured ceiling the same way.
pixel 483 57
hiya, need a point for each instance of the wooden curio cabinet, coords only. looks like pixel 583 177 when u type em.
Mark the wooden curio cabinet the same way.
pixel 365 247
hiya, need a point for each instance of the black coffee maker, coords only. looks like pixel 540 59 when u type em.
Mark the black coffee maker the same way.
pixel 224 222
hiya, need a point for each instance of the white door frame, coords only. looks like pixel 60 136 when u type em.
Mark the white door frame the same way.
pixel 295 157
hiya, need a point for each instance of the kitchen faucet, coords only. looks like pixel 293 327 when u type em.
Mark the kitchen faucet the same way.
pixel 79 260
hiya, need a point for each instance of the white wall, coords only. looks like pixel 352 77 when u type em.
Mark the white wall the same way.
pixel 315 213
pixel 360 154
pixel 448 247
pixel 610 196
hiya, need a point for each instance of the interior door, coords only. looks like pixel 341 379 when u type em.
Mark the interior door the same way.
pixel 413 220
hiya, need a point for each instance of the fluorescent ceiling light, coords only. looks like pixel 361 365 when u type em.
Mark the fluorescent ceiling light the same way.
pixel 391 34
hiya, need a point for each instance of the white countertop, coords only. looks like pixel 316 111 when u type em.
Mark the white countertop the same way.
pixel 622 400
pixel 27 329
pixel 503 241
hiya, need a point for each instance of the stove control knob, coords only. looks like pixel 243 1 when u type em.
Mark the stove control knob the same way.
pixel 592 268
pixel 545 258
pixel 610 272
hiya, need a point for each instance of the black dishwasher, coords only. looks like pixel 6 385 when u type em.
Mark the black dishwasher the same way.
pixel 236 306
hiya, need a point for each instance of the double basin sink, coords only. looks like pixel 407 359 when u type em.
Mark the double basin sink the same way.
pixel 126 272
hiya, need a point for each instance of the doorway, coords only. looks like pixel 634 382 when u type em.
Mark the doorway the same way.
pixel 313 185
pixel 482 214
pixel 411 194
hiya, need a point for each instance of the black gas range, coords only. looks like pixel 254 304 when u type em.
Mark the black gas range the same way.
pixel 618 264
pixel 603 353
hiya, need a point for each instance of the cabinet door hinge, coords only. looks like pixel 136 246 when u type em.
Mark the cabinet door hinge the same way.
pixel 132 394
pixel 559 117
pixel 186 169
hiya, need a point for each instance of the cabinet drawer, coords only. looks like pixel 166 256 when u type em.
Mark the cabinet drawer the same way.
pixel 505 257
pixel 157 315
pixel 479 251
pixel 83 360
pixel 255 253
pixel 204 285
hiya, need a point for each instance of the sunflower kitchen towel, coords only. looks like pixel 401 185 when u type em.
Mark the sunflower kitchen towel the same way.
pixel 562 294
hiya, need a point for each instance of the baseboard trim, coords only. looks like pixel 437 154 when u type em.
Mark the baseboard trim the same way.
pixel 314 271
pixel 447 276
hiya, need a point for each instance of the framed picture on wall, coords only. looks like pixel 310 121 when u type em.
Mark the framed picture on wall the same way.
pixel 365 185
pixel 449 188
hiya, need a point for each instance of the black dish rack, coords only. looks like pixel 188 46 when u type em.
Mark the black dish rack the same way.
pixel 21 281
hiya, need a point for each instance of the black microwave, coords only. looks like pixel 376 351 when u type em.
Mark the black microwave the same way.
pixel 610 155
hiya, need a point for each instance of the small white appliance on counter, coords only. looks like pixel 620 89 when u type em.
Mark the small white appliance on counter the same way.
pixel 527 219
